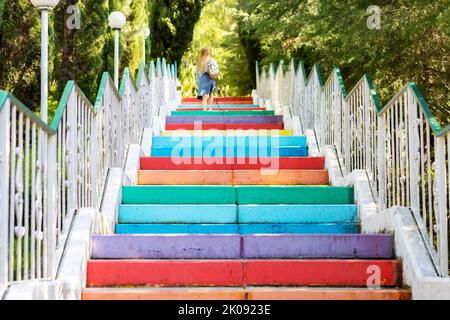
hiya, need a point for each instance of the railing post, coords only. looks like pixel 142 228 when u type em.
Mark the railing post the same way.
pixel 367 128
pixel 382 162
pixel 4 192
pixel 94 160
pixel 50 218
pixel 414 153
pixel 347 138
pixel 441 217
pixel 72 145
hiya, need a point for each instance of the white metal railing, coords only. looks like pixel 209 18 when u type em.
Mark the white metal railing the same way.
pixel 401 146
pixel 48 172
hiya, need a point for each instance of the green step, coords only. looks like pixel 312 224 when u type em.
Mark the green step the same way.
pixel 294 195
pixel 241 195
pixel 223 113
pixel 179 195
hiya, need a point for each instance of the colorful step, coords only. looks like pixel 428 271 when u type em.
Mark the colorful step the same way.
pixel 249 293
pixel 221 108
pixel 281 177
pixel 224 113
pixel 311 293
pixel 322 273
pixel 297 228
pixel 178 195
pixel 165 273
pixel 224 126
pixel 294 195
pixel 178 214
pixel 238 273
pixel 193 163
pixel 193 294
pixel 335 246
pixel 185 177
pixel 220 150
pixel 162 229
pixel 235 246
pixel 229 133
pixel 295 214
pixel 254 141
pixel 225 119
pixel 219 99
pixel 232 177
pixel 237 195
pixel 166 247
pixel 308 228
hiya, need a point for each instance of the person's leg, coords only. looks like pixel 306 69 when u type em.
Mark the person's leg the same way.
pixel 204 102
pixel 211 97
pixel 211 100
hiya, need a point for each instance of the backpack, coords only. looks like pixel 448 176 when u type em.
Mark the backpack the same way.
pixel 213 73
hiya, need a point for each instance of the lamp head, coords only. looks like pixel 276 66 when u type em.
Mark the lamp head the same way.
pixel 45 4
pixel 117 20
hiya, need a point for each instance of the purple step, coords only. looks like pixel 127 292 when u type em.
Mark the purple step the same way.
pixel 226 119
pixel 166 247
pixel 342 246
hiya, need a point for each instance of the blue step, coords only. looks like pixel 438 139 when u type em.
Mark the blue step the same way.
pixel 191 214
pixel 332 228
pixel 254 141
pixel 220 151
pixel 274 214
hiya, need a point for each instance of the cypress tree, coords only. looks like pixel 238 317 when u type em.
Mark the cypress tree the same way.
pixel 89 43
pixel 20 51
pixel 172 25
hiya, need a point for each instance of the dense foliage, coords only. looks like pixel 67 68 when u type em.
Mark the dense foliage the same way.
pixel 173 22
pixel 221 36
pixel 413 43
pixel 83 54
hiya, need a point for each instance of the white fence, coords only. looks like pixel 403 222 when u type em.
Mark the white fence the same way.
pixel 48 172
pixel 401 146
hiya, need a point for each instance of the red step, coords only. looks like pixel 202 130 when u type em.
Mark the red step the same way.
pixel 225 126
pixel 165 273
pixel 321 273
pixel 294 163
pixel 238 273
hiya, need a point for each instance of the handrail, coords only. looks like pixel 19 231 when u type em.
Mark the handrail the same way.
pixel 50 171
pixel 401 146
pixel 4 96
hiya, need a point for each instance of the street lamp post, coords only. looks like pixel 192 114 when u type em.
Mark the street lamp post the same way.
pixel 146 35
pixel 44 6
pixel 47 149
pixel 117 21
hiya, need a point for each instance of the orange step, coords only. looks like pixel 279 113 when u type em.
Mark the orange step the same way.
pixel 226 294
pixel 327 294
pixel 185 177
pixel 281 177
pixel 233 177
pixel 250 293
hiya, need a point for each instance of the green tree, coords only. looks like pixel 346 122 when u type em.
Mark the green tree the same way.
pixel 222 37
pixel 412 44
pixel 133 33
pixel 2 7
pixel 20 51
pixel 172 24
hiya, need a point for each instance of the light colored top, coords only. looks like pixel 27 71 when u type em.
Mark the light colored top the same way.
pixel 212 63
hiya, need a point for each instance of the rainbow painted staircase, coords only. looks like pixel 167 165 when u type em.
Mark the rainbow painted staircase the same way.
pixel 222 226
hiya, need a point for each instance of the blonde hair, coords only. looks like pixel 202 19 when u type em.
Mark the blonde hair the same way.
pixel 203 58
